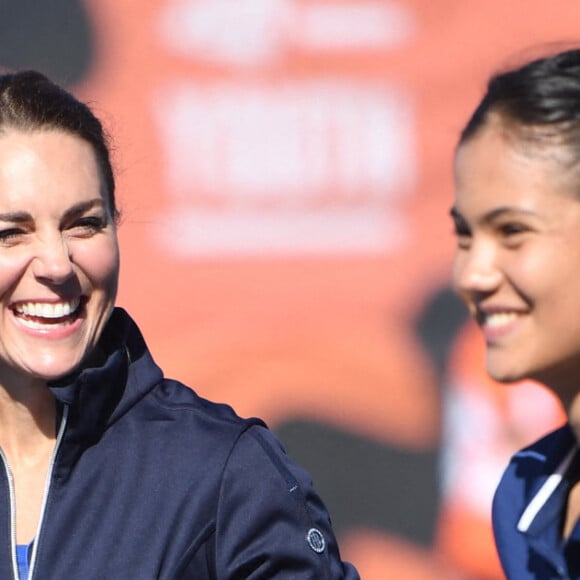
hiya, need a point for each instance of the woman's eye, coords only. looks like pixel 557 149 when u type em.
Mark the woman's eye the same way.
pixel 88 226
pixel 511 229
pixel 463 242
pixel 463 235
pixel 9 236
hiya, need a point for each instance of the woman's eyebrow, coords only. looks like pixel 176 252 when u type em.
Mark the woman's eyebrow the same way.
pixel 454 213
pixel 82 207
pixel 495 213
pixel 77 209
pixel 507 210
pixel 15 216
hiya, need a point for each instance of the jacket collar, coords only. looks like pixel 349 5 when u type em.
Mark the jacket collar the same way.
pixel 97 396
pixel 538 513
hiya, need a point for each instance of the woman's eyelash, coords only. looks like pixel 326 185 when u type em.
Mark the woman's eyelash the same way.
pixel 93 222
pixel 9 233
pixel 513 228
pixel 461 229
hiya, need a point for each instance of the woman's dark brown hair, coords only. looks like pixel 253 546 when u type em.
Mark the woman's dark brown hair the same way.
pixel 29 101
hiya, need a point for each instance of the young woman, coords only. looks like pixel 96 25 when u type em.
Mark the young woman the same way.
pixel 108 469
pixel 517 267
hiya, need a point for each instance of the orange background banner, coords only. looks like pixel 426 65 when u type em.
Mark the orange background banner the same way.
pixel 284 173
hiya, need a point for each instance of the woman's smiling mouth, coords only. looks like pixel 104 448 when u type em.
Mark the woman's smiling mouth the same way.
pixel 499 319
pixel 496 324
pixel 39 315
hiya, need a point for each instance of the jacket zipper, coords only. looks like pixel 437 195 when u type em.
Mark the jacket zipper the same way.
pixel 45 494
pixel 12 513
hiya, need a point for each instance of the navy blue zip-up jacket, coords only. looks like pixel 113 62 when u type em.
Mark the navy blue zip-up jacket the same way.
pixel 150 481
pixel 528 510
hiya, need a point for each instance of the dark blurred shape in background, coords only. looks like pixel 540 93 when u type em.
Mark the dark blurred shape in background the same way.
pixel 52 36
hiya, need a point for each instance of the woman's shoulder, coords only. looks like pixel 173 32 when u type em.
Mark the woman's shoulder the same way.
pixel 189 411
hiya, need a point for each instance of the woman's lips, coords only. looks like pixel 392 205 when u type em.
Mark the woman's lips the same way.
pixel 499 323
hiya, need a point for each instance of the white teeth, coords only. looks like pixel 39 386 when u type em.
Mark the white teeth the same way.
pixel 35 324
pixel 498 319
pixel 46 309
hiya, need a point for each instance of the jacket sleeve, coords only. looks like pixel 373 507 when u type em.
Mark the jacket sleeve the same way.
pixel 270 521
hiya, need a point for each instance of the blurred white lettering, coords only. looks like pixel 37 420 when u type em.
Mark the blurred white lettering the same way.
pixel 332 150
pixel 259 32
pixel 278 159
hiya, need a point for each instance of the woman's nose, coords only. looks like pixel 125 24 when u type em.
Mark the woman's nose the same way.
pixel 476 270
pixel 53 260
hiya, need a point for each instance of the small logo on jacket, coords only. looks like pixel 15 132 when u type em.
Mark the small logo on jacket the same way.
pixel 315 539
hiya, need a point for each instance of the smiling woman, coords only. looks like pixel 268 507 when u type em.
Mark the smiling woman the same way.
pixel 59 256
pixel 517 267
pixel 108 469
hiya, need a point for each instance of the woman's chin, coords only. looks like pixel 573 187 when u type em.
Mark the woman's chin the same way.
pixel 53 370
pixel 506 376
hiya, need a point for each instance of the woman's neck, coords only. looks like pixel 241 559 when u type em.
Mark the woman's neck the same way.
pixel 573 409
pixel 27 420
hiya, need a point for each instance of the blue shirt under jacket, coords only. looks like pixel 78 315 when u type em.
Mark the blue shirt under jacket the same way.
pixel 152 482
pixel 529 509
